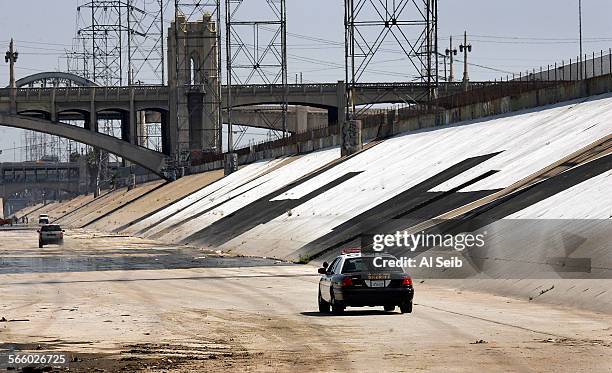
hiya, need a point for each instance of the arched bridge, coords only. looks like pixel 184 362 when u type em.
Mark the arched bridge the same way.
pixel 148 159
pixel 326 96
pixel 36 106
pixel 40 88
pixel 54 79
pixel 42 101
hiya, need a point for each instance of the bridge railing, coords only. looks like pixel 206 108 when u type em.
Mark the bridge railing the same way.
pixel 100 92
pixel 290 86
pixel 156 89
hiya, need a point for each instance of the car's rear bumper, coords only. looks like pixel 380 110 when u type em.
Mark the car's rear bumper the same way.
pixel 45 241
pixel 361 297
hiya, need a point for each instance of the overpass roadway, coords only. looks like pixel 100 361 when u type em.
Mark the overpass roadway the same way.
pixel 7 190
pixel 325 96
pixel 58 86
pixel 21 176
pixel 51 105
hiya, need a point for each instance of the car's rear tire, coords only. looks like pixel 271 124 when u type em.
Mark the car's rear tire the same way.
pixel 337 307
pixel 406 307
pixel 323 305
pixel 389 308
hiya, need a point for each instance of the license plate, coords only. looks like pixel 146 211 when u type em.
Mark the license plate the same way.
pixel 377 283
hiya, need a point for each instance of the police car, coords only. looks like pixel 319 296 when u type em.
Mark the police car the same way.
pixel 356 279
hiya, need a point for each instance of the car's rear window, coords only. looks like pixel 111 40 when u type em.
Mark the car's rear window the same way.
pixel 51 228
pixel 366 264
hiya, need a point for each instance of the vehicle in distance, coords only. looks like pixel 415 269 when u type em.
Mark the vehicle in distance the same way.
pixel 353 280
pixel 43 219
pixel 50 234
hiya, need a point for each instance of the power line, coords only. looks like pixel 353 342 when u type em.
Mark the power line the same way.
pixel 538 39
pixel 538 42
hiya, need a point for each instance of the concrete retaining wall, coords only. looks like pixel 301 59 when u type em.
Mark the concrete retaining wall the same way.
pixel 565 91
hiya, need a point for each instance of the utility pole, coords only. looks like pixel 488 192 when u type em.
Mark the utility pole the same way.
pixel 580 32
pixel 451 53
pixel 11 58
pixel 465 48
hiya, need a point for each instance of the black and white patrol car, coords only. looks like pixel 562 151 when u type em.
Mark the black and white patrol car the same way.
pixel 358 280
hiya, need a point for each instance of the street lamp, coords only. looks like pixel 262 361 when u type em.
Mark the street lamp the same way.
pixel 11 58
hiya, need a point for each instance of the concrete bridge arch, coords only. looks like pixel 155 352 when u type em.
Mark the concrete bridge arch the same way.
pixel 54 78
pixel 149 159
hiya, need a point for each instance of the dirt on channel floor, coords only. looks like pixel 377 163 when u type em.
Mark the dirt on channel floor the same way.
pixel 121 304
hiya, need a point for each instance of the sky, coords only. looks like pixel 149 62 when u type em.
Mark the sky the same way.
pixel 507 36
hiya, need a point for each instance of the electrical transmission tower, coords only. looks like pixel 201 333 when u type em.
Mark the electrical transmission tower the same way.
pixel 408 27
pixel 262 62
pixel 119 42
pixel 103 31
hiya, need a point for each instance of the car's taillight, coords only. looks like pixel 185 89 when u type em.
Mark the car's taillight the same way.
pixel 346 282
pixel 407 281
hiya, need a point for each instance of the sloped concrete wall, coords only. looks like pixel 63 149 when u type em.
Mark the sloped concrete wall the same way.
pixel 565 91
pixel 528 141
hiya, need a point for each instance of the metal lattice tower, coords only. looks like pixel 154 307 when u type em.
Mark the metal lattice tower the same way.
pixel 38 146
pixel 373 27
pixel 120 42
pixel 103 30
pixel 146 54
pixel 264 61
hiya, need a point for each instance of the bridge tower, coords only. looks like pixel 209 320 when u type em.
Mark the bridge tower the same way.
pixel 193 76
